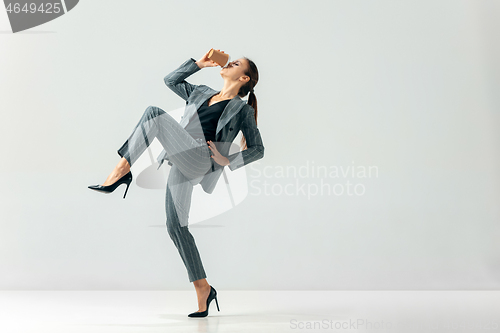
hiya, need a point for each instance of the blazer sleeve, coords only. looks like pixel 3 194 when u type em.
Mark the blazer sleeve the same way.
pixel 255 147
pixel 176 79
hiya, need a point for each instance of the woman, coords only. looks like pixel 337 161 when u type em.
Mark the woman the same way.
pixel 191 149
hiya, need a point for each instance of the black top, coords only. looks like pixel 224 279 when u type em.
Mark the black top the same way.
pixel 208 116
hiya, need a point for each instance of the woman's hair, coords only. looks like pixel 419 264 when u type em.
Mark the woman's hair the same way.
pixel 253 73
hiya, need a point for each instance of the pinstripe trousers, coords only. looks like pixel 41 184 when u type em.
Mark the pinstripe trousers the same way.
pixel 190 161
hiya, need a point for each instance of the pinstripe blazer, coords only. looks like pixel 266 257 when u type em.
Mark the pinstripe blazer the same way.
pixel 236 116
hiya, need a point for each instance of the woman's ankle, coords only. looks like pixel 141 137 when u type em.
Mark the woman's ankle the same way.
pixel 201 284
pixel 123 164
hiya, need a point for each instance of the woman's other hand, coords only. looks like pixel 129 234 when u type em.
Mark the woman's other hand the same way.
pixel 206 62
pixel 218 158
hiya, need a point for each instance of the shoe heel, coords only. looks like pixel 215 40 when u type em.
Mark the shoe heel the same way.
pixel 128 184
pixel 217 303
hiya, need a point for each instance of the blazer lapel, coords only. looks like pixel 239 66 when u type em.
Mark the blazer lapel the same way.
pixel 231 109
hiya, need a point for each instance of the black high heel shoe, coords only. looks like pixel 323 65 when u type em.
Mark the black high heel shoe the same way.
pixel 126 179
pixel 211 296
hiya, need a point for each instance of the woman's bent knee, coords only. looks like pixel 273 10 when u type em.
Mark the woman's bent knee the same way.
pixel 154 110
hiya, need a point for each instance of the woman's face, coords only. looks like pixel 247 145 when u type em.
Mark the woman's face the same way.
pixel 235 70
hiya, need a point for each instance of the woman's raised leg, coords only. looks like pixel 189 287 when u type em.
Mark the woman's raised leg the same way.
pixel 191 157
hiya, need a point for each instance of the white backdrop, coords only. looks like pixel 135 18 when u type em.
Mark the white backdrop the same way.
pixel 409 89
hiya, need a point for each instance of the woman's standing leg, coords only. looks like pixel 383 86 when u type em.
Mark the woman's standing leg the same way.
pixel 177 204
pixel 176 208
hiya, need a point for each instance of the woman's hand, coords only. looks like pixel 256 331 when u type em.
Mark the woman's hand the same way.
pixel 218 158
pixel 206 62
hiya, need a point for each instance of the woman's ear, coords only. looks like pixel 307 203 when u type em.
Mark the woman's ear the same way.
pixel 245 78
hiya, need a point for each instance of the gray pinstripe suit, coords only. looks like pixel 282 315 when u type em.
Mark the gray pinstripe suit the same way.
pixel 190 159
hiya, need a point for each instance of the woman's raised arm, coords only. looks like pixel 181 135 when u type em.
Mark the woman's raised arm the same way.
pixel 175 80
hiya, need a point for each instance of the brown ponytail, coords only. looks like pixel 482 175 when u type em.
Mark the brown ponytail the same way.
pixel 253 73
